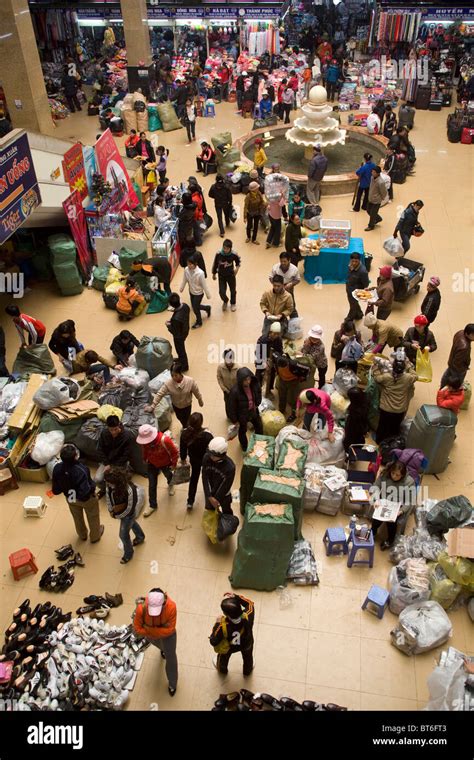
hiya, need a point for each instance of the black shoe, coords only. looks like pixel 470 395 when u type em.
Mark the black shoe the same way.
pixel 64 552
pixel 100 493
pixel 208 310
pixel 171 691
pixel 114 600
pixel 124 560
pixel 196 325
pixel 78 560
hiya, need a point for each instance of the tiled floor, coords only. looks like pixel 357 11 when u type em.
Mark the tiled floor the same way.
pixel 323 646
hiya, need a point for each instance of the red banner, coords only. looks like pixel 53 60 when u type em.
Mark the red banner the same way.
pixel 111 166
pixel 77 222
pixel 74 171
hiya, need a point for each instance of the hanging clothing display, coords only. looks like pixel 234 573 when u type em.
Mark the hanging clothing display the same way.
pixel 410 81
pixel 260 38
pixel 394 26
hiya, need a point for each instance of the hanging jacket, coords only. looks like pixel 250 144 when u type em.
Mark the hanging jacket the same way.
pixel 238 405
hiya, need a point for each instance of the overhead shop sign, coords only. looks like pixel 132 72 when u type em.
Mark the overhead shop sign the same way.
pixel 19 189
pixel 263 12
pixel 433 12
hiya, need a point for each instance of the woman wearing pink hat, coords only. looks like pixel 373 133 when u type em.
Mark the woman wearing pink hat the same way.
pixel 418 337
pixel 384 292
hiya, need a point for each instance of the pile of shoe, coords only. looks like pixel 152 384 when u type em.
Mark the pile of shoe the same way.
pixel 100 606
pixel 63 577
pixel 244 701
pixel 26 650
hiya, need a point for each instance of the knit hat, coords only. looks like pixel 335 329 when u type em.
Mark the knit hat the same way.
pixel 218 445
pixel 316 332
pixel 435 281
pixel 254 186
pixel 420 320
pixel 386 272
pixel 275 327
pixel 370 320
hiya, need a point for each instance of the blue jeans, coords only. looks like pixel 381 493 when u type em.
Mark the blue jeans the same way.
pixel 100 368
pixel 126 525
pixel 405 242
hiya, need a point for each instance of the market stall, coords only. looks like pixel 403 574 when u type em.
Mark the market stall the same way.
pixel 329 260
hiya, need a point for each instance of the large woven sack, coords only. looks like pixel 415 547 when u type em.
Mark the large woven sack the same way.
pixel 142 121
pixel 129 119
pixel 154 355
pixel 32 360
pixel 127 257
pixel 223 138
pixel 87 439
pixel 62 248
pixel 154 123
pixel 99 277
pixel 168 117
pixel 273 422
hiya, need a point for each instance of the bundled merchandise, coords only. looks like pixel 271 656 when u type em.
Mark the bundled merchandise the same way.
pixel 421 627
pixel 324 488
pixel 450 686
pixel 449 513
pixel 154 355
pixel 273 422
pixel 292 456
pixel 260 455
pixel 59 390
pixel 458 569
pixel 409 583
pixel 63 258
pixel 303 570
pixel 281 487
pixel 419 545
pixel 443 589
pixel 246 701
pixel 320 449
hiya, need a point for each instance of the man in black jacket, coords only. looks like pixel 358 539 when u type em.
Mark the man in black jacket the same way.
pixel 218 472
pixel 158 267
pixel 233 632
pixel 188 228
pixel 407 223
pixel 226 266
pixel 178 326
pixel 432 300
pixel 123 346
pixel 73 479
pixel 222 196
pixel 115 449
pixel 357 279
pixel 69 83
pixel 244 400
pixel 3 368
pixel 180 97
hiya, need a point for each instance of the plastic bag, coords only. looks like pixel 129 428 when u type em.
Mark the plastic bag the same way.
pixel 273 422
pixel 11 395
pixel 47 446
pixel 448 513
pixel 34 360
pixel 419 544
pixel 163 414
pixel 155 384
pixel 52 393
pixel 443 589
pixel 51 465
pixel 446 685
pixel 423 366
pixel 135 378
pixel 182 474
pixel 458 569
pixel 409 584
pixel 303 569
pixel 321 450
pixel 107 410
pixel 227 524
pixel 339 405
pixel 393 247
pixel 421 627
pixel 344 380
pixel 209 524
pixel 295 328
pixel 266 405
pixel 154 355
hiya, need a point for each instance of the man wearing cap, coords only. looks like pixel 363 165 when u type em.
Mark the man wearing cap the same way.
pixel 357 279
pixel 316 170
pixel 155 619
pixel 377 195
pixel 160 455
pixel 290 274
pixel 383 333
pixel 385 294
pixel 432 300
pixel 267 345
pixel 277 305
pixel 218 472
pixel 419 337
pixel 233 632
pixel 244 400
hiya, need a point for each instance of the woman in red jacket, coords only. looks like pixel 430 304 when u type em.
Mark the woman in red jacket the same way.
pixel 451 396
pixel 161 455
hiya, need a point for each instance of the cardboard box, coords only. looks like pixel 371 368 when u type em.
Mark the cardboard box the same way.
pixel 38 475
pixel 358 508
pixel 461 542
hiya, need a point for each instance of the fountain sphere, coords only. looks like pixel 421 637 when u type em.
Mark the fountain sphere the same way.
pixel 318 95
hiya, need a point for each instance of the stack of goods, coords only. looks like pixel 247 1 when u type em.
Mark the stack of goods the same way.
pixel 460 125
pixel 244 701
pixel 265 545
pixel 348 96
pixel 310 246
pixel 450 685
pixel 320 449
pixel 63 257
pixel 58 109
pixel 409 583
pixel 325 488
pixel 68 418
pixel 303 570
pixel 259 455
pixel 283 488
pixel 421 627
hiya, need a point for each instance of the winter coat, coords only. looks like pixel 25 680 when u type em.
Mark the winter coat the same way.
pixel 197 446
pixel 430 305
pixel 161 452
pixel 377 191
pixel 293 236
pixel 277 303
pixel 127 299
pixel 265 349
pixel 385 294
pixel 61 346
pixel 395 393
pixel 364 173
pixel 115 451
pixel 73 479
pixel 149 150
pixel 357 279
pixel 333 73
pixel 123 351
pixel 254 204
pixel 217 477
pixel 426 340
pixel 412 458
pixel 238 405
pixel 407 221
pixel 227 378
pixel 70 84
pixel 160 627
pixel 179 322
pixel 186 222
pixel 221 194
pixel 460 355
pixel 317 167
pixel 448 398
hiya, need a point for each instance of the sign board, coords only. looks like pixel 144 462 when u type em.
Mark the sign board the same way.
pixel 110 164
pixel 434 13
pixel 74 172
pixel 19 188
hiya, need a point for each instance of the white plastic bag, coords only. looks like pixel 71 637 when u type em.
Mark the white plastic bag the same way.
pixel 446 686
pixel 393 247
pixel 155 384
pixel 409 584
pixel 11 394
pixel 333 490
pixel 47 446
pixel 51 465
pixel 295 328
pixel 421 627
pixel 321 450
pixel 135 378
pixel 344 380
pixel 53 393
pixel 266 405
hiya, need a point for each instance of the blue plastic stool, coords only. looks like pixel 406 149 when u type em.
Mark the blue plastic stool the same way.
pixel 335 541
pixel 209 110
pixel 358 545
pixel 379 598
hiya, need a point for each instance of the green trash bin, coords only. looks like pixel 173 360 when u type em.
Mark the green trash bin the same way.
pixel 264 548
pixel 260 455
pixel 281 487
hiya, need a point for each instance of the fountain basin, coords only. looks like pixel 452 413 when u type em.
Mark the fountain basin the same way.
pixel 340 178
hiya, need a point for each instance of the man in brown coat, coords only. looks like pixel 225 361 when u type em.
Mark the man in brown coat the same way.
pixel 377 195
pixel 277 305
pixel 460 356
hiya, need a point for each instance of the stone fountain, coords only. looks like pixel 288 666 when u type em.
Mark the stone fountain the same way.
pixel 317 126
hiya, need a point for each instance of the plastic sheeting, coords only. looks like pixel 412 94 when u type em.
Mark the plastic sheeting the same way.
pixel 154 355
pixel 448 513
pixel 421 627
pixel 47 446
pixel 33 360
pixel 409 584
pixel 135 378
pixel 52 393
pixel 419 544
pixel 281 488
pixel 303 569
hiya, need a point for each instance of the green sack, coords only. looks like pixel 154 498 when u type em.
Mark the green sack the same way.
pixel 70 428
pixel 264 549
pixel 72 290
pixel 154 355
pixel 63 249
pixel 127 257
pixel 252 464
pixel 373 399
pixel 99 277
pixel 168 117
pixel 154 122
pixel 288 446
pixel 159 302
pixel 34 360
pixel 448 513
pixel 268 491
pixel 223 138
pixel 41 263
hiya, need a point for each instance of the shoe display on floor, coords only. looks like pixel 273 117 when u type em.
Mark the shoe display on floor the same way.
pixel 149 511
pixel 64 552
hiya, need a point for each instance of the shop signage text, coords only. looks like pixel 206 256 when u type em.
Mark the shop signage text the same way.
pixel 19 189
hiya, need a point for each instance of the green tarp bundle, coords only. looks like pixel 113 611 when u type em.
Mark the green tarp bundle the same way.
pixel 286 449
pixel 63 259
pixel 252 464
pixel 34 360
pixel 272 487
pixel 70 428
pixel 99 277
pixel 264 550
pixel 154 355
pixel 127 257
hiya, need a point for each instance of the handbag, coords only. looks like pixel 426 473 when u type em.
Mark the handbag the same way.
pixel 182 474
pixel 208 220
pixel 233 214
pixel 423 366
pixel 418 230
pixel 227 524
pixel 209 524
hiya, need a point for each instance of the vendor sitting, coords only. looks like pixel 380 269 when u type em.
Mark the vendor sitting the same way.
pixel 131 144
pixel 265 106
pixel 394 484
pixel 160 213
pixel 205 157
pixel 130 300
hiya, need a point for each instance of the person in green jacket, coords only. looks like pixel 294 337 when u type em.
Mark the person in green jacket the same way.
pixel 292 238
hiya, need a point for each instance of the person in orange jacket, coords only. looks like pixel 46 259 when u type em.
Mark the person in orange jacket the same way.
pixel 129 299
pixel 451 396
pixel 155 620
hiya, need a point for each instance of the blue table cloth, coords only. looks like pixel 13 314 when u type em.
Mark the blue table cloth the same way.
pixel 331 264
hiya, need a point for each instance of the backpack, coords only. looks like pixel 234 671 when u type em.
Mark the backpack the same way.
pixel 223 646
